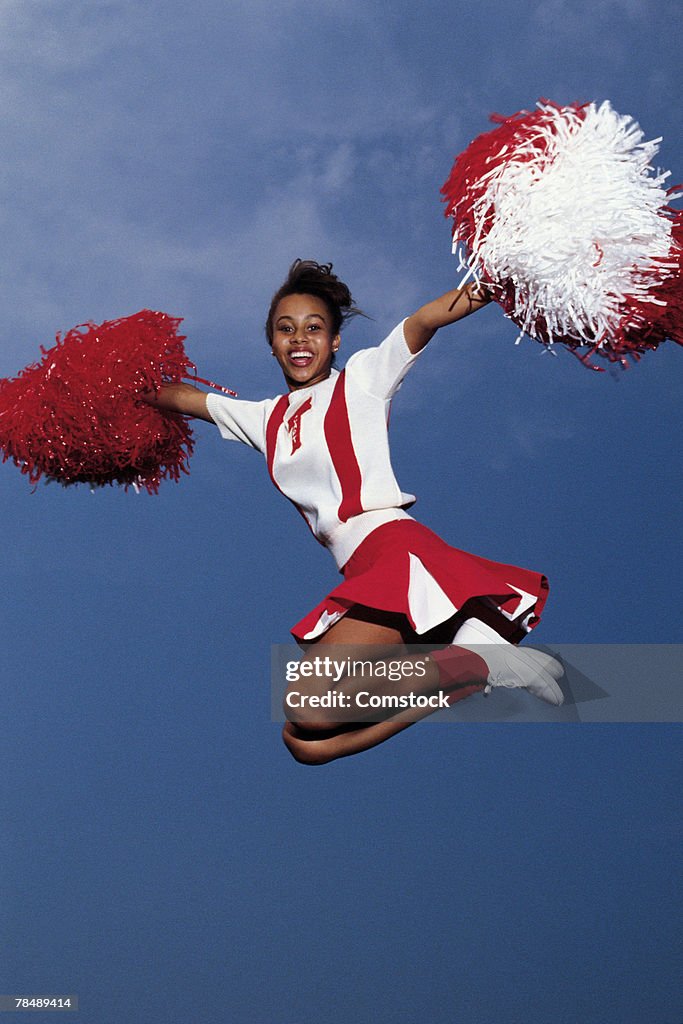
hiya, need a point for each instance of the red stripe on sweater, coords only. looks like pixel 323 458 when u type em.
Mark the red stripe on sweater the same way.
pixel 340 445
pixel 272 427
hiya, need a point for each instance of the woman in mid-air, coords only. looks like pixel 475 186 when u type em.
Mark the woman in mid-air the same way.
pixel 326 446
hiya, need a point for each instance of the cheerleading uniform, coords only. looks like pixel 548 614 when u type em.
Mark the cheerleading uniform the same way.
pixel 327 450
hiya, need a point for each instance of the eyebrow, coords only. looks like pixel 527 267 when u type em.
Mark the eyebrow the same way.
pixel 286 316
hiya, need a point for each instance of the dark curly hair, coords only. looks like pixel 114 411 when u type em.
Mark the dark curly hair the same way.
pixel 306 277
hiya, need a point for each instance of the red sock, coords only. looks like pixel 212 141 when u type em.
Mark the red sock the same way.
pixel 460 668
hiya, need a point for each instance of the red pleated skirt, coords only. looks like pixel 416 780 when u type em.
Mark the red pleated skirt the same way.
pixel 403 567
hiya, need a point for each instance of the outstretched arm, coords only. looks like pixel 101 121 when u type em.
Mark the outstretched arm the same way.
pixel 423 325
pixel 182 398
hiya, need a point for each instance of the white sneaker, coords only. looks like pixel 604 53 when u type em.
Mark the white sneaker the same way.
pixel 511 666
pixel 530 670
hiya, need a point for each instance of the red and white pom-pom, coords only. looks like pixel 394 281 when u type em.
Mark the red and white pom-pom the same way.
pixel 74 417
pixel 564 218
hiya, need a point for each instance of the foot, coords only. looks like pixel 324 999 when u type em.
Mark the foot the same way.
pixel 515 667
pixel 512 666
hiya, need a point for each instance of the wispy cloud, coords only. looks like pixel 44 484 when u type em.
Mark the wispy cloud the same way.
pixel 571 15
pixel 181 157
pixel 154 155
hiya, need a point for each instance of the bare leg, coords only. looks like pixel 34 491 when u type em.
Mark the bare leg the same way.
pixel 318 741
pixel 319 748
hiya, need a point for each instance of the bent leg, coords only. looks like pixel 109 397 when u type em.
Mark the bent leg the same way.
pixel 315 748
pixel 318 740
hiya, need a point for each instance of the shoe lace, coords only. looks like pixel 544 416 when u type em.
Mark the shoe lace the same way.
pixel 500 679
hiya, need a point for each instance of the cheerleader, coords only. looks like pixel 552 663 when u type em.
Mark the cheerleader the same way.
pixel 325 442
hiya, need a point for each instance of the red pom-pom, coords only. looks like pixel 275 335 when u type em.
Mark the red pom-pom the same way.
pixel 567 221
pixel 74 417
pixel 519 137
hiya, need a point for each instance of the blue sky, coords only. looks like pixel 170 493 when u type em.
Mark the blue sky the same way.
pixel 160 854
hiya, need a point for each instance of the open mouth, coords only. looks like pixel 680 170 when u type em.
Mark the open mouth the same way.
pixel 301 359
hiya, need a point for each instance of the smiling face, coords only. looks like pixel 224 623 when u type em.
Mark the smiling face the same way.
pixel 303 342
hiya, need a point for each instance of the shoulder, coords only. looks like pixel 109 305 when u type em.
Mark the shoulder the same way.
pixel 380 370
pixel 395 339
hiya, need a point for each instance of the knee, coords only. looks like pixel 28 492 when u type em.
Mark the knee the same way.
pixel 304 710
pixel 319 727
pixel 310 756
pixel 305 751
